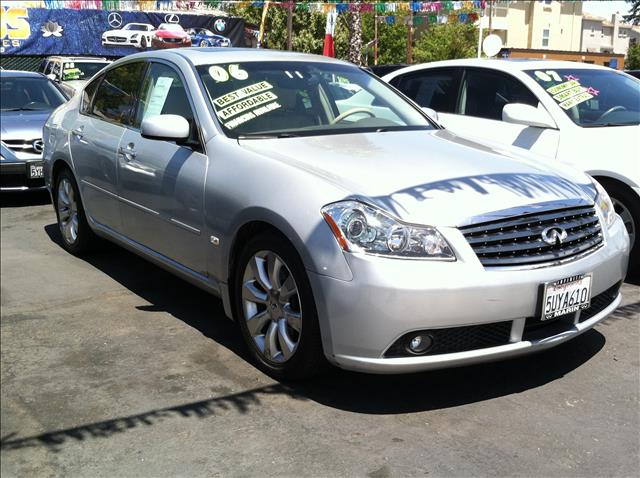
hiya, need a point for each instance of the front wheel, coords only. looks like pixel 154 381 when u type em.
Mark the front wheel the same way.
pixel 204 43
pixel 275 309
pixel 628 208
pixel 77 236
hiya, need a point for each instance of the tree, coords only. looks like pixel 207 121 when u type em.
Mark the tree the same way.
pixel 446 42
pixel 632 62
pixel 634 12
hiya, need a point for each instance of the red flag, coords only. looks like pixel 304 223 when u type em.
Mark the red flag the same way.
pixel 328 37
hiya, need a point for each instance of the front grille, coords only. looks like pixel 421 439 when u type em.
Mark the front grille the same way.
pixel 518 241
pixel 117 39
pixel 456 339
pixel 33 146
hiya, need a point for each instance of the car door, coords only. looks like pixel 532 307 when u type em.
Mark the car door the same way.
pixel 161 182
pixel 482 96
pixel 105 113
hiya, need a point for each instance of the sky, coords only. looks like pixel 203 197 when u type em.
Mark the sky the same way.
pixel 605 8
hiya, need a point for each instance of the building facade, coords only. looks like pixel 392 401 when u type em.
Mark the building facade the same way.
pixel 600 35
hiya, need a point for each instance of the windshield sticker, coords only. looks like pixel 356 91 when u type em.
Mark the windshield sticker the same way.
pixel 593 91
pixel 562 86
pixel 219 74
pixel 246 104
pixel 542 76
pixel 252 114
pixel 242 93
pixel 575 100
pixel 71 74
pixel 237 73
pixel 566 94
pixel 158 96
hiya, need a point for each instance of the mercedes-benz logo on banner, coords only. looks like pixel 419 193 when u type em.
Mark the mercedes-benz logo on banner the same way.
pixel 171 18
pixel 115 20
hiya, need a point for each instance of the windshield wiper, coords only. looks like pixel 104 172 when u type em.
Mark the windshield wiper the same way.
pixel 596 125
pixel 267 135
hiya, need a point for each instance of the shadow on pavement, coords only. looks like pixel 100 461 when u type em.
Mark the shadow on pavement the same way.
pixel 24 198
pixel 349 391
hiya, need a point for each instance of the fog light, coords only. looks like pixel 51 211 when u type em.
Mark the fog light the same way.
pixel 420 343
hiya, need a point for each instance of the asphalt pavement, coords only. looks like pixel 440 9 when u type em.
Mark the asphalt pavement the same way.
pixel 112 367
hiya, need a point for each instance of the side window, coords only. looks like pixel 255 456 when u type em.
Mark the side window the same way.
pixel 484 93
pixel 115 97
pixel 88 94
pixel 164 93
pixel 435 89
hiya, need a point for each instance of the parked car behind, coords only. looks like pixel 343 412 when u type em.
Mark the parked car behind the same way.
pixel 583 115
pixel 367 238
pixel 26 101
pixel 72 72
pixel 170 35
pixel 203 38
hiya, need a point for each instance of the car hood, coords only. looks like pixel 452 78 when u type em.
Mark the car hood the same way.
pixel 75 85
pixel 431 177
pixel 23 124
pixel 170 34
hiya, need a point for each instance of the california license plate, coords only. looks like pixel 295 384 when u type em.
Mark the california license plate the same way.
pixel 35 171
pixel 566 296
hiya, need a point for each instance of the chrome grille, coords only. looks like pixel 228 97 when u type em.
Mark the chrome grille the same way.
pixel 117 39
pixel 518 241
pixel 33 146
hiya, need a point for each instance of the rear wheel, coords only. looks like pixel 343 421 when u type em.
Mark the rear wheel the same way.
pixel 275 309
pixel 204 43
pixel 77 236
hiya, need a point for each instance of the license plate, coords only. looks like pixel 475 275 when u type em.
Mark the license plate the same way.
pixel 35 171
pixel 566 296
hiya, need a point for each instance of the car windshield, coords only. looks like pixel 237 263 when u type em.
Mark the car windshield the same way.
pixel 19 94
pixel 592 97
pixel 136 27
pixel 171 27
pixel 81 71
pixel 299 99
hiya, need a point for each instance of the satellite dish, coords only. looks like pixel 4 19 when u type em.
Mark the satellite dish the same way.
pixel 492 45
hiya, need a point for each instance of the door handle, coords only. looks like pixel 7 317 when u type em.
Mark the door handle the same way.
pixel 78 132
pixel 128 153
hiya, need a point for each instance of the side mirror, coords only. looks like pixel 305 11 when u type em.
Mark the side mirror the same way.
pixel 165 127
pixel 527 115
pixel 431 113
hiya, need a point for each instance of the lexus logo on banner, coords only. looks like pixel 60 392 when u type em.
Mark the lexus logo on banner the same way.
pixel 171 18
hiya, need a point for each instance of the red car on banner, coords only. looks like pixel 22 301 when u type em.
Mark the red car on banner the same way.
pixel 170 35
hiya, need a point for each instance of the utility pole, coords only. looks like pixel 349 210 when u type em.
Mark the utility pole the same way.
pixel 289 26
pixel 490 16
pixel 410 40
pixel 375 37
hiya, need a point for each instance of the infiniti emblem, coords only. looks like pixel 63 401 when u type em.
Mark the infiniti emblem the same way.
pixel 554 235
pixel 38 145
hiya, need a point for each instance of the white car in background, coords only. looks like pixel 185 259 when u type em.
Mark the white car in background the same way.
pixel 584 115
pixel 132 34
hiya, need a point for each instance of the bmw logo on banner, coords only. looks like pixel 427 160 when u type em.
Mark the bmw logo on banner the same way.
pixel 220 25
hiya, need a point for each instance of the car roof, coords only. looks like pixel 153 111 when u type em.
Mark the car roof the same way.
pixel 20 74
pixel 205 56
pixel 510 65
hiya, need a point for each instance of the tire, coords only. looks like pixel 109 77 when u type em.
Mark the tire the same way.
pixel 281 345
pixel 77 236
pixel 626 204
pixel 203 44
pixel 143 43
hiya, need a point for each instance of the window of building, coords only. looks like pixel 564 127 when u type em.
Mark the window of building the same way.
pixel 545 37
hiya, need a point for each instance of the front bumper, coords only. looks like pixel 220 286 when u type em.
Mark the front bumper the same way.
pixel 387 298
pixel 162 45
pixel 14 176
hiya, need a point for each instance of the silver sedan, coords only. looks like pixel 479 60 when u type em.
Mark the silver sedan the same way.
pixel 337 222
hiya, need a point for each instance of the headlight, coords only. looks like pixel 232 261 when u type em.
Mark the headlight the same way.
pixel 134 36
pixel 603 201
pixel 361 228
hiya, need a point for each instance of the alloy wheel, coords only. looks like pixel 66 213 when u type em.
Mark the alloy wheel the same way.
pixel 271 306
pixel 67 211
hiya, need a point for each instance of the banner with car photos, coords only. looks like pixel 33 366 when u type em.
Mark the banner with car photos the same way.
pixel 42 31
